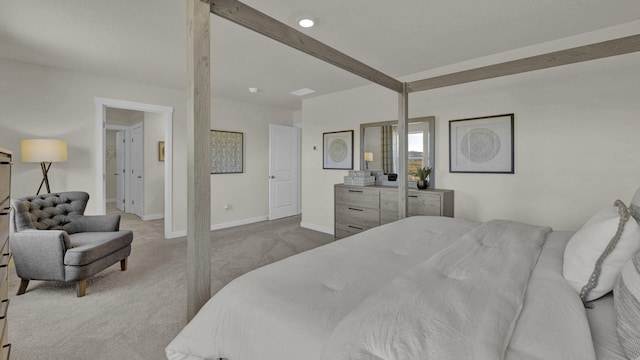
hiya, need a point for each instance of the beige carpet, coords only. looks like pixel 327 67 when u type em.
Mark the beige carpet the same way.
pixel 134 314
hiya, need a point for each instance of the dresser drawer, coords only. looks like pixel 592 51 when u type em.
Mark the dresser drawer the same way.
pixel 358 196
pixel 6 352
pixel 388 216
pixel 352 215
pixel 344 230
pixel 419 203
pixel 5 177
pixel 424 203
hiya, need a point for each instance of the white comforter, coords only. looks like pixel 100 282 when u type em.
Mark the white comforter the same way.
pixel 420 288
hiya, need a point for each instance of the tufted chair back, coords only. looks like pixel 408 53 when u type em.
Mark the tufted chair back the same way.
pixel 48 211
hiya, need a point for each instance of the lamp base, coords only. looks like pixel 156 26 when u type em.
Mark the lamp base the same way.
pixel 45 166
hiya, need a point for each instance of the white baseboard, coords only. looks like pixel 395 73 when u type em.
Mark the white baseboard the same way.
pixel 315 227
pixel 153 217
pixel 177 234
pixel 239 222
pixel 181 233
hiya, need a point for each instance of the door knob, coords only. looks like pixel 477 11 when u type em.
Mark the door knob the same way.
pixel 272 177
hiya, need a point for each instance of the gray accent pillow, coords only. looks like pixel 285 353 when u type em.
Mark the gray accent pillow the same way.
pixel 626 299
pixel 635 206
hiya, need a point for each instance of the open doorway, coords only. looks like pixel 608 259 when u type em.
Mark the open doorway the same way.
pixel 145 164
pixel 132 169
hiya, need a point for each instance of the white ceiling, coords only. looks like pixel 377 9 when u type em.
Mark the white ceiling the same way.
pixel 145 40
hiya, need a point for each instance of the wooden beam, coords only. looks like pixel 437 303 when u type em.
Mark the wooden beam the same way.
pixel 403 150
pixel 198 150
pixel 599 50
pixel 251 18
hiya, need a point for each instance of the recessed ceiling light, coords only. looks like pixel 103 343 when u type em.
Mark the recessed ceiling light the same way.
pixel 253 90
pixel 306 22
pixel 303 92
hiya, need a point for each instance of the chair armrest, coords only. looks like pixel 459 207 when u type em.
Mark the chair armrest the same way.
pixel 93 223
pixel 39 254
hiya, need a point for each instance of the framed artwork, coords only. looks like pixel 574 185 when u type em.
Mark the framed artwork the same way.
pixel 481 145
pixel 337 150
pixel 226 152
pixel 160 150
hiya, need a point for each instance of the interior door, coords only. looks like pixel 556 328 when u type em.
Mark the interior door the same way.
pixel 283 171
pixel 120 170
pixel 137 170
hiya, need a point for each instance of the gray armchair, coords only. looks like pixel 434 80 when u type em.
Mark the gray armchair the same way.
pixel 52 239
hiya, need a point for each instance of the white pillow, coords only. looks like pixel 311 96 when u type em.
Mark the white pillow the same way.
pixel 588 244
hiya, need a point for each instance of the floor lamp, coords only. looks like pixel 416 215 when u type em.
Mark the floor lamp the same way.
pixel 44 151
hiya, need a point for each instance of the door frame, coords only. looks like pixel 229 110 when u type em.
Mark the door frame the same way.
pixel 100 123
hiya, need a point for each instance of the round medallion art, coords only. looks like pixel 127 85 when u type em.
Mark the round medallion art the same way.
pixel 480 145
pixel 338 150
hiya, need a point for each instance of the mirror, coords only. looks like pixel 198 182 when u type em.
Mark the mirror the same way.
pixel 379 147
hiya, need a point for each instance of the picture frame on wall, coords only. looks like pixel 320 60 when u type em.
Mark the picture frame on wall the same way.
pixel 227 152
pixel 482 145
pixel 160 150
pixel 337 150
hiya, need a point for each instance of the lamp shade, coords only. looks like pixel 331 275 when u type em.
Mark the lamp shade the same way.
pixel 368 156
pixel 43 150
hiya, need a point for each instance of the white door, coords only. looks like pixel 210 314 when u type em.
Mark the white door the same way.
pixel 120 170
pixel 283 171
pixel 137 165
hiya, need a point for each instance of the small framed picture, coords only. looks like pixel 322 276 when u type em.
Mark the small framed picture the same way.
pixel 337 149
pixel 160 150
pixel 481 145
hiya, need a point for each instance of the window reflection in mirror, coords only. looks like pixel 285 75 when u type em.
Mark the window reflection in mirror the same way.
pixel 380 142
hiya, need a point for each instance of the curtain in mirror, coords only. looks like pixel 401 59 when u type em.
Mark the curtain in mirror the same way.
pixel 388 140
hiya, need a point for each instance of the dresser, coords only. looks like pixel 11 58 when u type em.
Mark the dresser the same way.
pixel 358 208
pixel 5 208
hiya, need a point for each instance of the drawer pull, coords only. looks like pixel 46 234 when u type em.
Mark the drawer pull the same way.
pixel 413 196
pixel 356 191
pixel 356 227
pixel 6 163
pixel 4 306
pixel 355 209
pixel 5 260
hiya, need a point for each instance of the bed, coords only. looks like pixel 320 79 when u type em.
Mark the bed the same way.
pixel 418 288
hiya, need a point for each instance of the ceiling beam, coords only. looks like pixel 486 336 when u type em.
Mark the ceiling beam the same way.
pixel 251 18
pixel 599 50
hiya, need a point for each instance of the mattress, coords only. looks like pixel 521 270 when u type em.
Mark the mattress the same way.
pixel 291 309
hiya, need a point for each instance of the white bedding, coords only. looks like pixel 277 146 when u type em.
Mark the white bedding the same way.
pixel 308 305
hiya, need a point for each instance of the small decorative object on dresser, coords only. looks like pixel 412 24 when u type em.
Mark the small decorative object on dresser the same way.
pixel 5 210
pixel 423 178
pixel 359 208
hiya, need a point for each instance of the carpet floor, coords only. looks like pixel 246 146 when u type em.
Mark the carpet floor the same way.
pixel 134 314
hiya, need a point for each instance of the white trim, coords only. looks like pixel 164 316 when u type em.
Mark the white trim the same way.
pixel 315 227
pixel 101 105
pixel 226 225
pixel 153 217
pixel 239 222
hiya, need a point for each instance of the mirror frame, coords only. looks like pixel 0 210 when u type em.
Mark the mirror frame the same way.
pixel 430 120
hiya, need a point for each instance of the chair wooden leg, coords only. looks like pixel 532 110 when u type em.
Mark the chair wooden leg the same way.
pixel 81 287
pixel 123 264
pixel 23 286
